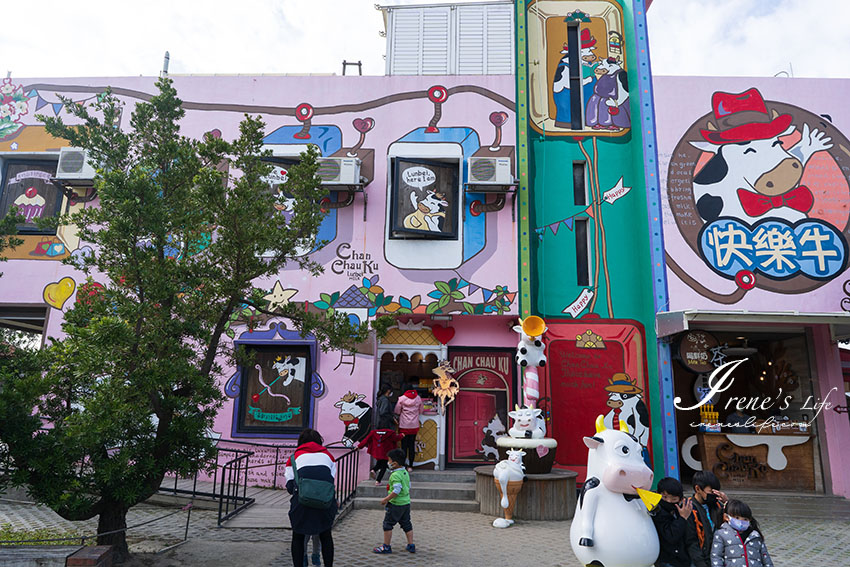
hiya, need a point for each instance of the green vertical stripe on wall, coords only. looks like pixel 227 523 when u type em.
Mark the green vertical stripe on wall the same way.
pixel 525 303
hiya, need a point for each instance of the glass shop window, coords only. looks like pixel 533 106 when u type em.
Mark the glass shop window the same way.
pixel 275 390
pixel 424 199
pixel 27 186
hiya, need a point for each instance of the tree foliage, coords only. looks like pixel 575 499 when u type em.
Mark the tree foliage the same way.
pixel 181 236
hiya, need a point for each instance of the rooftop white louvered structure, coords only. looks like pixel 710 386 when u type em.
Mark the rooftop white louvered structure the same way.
pixel 450 39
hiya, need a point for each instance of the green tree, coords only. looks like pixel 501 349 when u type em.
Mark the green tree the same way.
pixel 183 229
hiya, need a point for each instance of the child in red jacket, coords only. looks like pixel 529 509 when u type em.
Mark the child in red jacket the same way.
pixel 378 443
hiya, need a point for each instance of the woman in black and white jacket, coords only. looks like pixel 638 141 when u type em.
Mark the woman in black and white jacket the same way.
pixel 312 461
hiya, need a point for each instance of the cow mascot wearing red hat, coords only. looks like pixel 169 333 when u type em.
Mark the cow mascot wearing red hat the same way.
pixel 752 176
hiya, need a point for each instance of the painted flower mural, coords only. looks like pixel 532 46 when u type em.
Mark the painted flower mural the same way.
pixel 14 104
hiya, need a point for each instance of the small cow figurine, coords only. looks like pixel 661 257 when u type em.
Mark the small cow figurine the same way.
pixel 509 474
pixel 357 417
pixel 612 527
pixel 527 423
pixel 530 350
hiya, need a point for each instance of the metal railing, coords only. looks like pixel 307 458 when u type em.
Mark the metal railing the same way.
pixel 234 474
pixel 346 475
pixel 232 479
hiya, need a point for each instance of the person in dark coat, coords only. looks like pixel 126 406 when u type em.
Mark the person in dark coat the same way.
pixel 670 519
pixel 312 461
pixel 707 516
pixel 384 407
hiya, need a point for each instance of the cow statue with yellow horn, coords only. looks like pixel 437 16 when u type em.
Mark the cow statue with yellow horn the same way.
pixel 612 526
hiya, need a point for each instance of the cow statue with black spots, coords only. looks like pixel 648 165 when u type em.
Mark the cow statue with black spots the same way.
pixel 530 351
pixel 612 527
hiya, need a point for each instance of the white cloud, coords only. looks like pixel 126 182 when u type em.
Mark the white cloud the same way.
pixel 113 38
pixel 749 37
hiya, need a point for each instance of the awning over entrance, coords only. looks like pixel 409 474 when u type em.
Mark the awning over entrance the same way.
pixel 671 322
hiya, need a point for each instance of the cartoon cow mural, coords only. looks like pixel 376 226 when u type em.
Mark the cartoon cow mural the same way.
pixel 428 212
pixel 357 417
pixel 626 403
pixel 751 175
pixel 289 369
pixel 611 527
pixel 493 431
pixel 527 423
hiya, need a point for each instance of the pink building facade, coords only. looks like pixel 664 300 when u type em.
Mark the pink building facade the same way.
pixel 413 230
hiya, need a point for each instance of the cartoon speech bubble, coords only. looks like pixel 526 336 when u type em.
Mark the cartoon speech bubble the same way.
pixel 419 177
pixel 277 176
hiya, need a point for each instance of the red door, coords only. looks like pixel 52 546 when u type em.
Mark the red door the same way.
pixel 473 410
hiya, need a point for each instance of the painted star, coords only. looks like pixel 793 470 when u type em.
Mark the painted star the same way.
pixel 279 296
pixel 14 145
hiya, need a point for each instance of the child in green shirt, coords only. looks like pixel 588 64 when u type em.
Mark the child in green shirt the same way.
pixel 397 503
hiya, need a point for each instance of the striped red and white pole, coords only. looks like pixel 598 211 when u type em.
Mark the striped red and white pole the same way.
pixel 531 391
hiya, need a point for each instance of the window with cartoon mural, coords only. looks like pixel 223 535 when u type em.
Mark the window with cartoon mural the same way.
pixel 275 391
pixel 424 200
pixel 577 68
pixel 27 186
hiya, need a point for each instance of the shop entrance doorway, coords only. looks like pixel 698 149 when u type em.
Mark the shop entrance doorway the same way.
pixel 474 411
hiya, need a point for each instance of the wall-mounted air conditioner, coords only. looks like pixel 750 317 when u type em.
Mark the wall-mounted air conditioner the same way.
pixel 339 171
pixel 74 166
pixel 490 171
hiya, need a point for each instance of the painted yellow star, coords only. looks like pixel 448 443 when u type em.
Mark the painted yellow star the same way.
pixel 279 296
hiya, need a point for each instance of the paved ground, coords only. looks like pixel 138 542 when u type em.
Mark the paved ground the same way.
pixel 442 538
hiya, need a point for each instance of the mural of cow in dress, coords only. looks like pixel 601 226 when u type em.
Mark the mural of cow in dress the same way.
pixel 611 527
pixel 751 175
pixel 357 417
pixel 608 108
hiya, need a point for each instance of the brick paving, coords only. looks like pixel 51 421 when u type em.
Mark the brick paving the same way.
pixel 442 539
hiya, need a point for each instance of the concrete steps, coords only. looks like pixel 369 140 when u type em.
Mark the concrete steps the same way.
pixel 451 491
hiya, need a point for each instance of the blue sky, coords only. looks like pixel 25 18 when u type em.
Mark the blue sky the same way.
pixel 113 38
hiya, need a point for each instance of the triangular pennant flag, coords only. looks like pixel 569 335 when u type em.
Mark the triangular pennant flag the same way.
pixel 57 107
pixel 540 230
pixel 487 294
pixel 462 283
pixel 540 236
pixel 569 223
pixel 32 93
pixel 589 211
pixel 40 103
pixel 472 289
pixel 554 227
pixel 510 297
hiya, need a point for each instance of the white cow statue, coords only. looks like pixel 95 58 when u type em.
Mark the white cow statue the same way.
pixel 507 474
pixel 528 423
pixel 612 527
pixel 530 351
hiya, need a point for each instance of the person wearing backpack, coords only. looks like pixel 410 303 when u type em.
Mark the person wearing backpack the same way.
pixel 310 474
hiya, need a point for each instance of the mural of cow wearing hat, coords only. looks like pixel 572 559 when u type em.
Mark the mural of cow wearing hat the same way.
pixel 626 403
pixel 751 175
pixel 561 84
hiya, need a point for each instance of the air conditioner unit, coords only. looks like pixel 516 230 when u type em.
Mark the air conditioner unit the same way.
pixel 490 171
pixel 74 166
pixel 339 171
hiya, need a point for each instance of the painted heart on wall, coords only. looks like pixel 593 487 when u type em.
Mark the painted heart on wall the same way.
pixel 443 334
pixel 57 293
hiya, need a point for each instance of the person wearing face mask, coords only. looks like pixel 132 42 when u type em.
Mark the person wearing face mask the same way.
pixel 670 519
pixel 738 542
pixel 708 503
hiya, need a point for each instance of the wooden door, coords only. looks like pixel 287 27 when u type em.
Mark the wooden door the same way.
pixel 473 411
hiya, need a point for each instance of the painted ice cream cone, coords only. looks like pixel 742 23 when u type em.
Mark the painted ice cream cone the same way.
pixel 513 489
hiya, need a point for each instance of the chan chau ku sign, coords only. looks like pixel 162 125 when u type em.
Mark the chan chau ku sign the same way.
pixel 721 379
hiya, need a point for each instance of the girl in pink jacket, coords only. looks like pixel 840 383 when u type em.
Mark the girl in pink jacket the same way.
pixel 408 408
